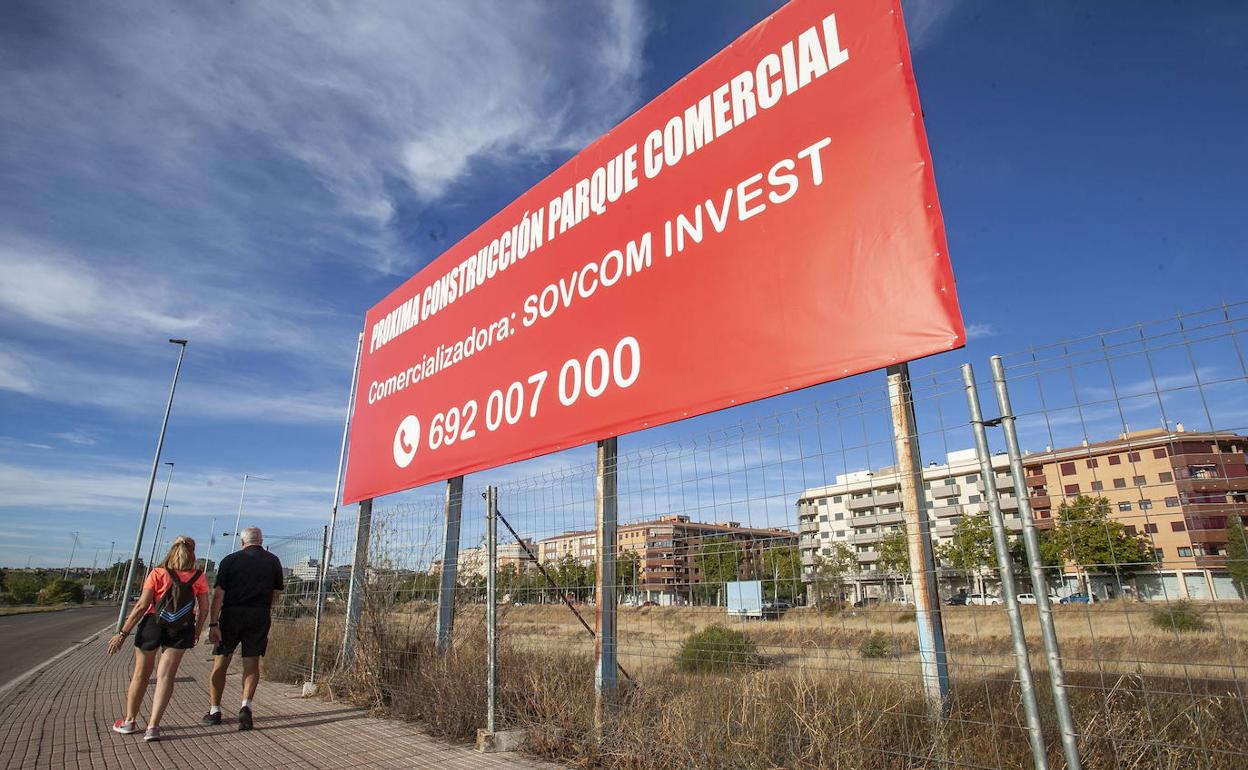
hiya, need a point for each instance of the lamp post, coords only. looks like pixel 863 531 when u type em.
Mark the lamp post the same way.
pixel 70 563
pixel 151 484
pixel 212 540
pixel 238 519
pixel 160 521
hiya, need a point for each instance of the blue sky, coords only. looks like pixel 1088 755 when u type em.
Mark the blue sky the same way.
pixel 254 176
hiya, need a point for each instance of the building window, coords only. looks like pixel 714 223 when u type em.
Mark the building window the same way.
pixel 971 479
pixel 824 517
pixel 973 499
pixel 1129 530
pixel 1185 552
pixel 1146 505
pixel 1165 477
pixel 1044 513
pixel 1159 453
pixel 1158 554
pixel 1150 529
pixel 1124 507
pixel 1097 486
pixel 836 499
pixel 1133 457
pixel 1172 502
pixel 840 516
pixel 1068 469
pixel 1120 483
pixel 1177 526
pixel 1092 463
pixel 1071 489
pixel 1115 460
pixel 1139 481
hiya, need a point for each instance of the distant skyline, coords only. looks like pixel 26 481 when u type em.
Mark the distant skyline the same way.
pixel 254 178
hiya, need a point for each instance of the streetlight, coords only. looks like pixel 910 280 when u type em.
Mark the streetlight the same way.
pixel 151 484
pixel 212 540
pixel 70 563
pixel 238 519
pixel 160 521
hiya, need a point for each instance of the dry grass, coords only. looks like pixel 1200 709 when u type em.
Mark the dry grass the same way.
pixel 1143 699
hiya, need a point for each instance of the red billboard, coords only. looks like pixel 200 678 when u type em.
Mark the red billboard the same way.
pixel 768 223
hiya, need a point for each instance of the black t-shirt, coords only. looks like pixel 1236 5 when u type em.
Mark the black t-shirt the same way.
pixel 249 577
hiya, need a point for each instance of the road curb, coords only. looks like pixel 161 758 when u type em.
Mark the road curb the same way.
pixel 13 683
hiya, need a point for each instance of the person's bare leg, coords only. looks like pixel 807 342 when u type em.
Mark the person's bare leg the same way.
pixel 216 687
pixel 251 677
pixel 144 662
pixel 166 672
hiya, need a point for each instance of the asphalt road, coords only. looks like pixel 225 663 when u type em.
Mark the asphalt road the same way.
pixel 28 640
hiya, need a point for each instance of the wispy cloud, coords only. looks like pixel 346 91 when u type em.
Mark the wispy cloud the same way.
pixel 979 331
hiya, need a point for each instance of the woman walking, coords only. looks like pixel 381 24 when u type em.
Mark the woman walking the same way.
pixel 170 616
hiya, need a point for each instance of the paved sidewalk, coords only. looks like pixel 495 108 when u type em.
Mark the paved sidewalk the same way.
pixel 62 718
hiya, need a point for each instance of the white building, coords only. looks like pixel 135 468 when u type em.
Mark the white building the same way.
pixel 306 568
pixel 863 507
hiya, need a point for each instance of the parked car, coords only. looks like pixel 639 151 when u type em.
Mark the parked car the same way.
pixel 957 600
pixel 867 601
pixel 1078 599
pixel 644 604
pixel 1031 599
pixel 982 600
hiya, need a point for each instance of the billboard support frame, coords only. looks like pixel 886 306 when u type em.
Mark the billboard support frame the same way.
pixel 606 641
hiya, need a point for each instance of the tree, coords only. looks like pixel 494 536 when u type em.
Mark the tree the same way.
pixel 719 559
pixel 1091 540
pixel 60 592
pixel 1051 556
pixel 1237 554
pixel 894 550
pixel 23 587
pixel 970 548
pixel 782 566
pixel 830 571
pixel 627 572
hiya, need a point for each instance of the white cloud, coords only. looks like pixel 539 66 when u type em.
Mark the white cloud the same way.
pixel 77 438
pixel 925 19
pixel 978 331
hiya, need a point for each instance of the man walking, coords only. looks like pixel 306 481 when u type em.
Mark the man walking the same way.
pixel 247 585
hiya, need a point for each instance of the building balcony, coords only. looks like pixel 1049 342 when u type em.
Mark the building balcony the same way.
pixel 1215 536
pixel 1009 503
pixel 866 557
pixel 945 490
pixel 872 501
pixel 1215 484
pixel 1220 459
pixel 944 511
pixel 874 519
pixel 1003 482
pixel 808 526
pixel 1041 501
pixel 1211 562
pixel 865 537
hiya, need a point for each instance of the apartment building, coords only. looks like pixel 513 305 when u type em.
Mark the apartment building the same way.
pixel 666 547
pixel 863 507
pixel 1175 488
pixel 474 561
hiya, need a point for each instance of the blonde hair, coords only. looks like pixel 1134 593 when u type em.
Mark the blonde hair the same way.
pixel 181 554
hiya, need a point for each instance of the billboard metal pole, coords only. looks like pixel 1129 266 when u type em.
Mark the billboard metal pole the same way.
pixel 931 632
pixel 450 562
pixel 1005 566
pixel 491 606
pixel 359 569
pixel 327 549
pixel 151 483
pixel 1040 587
pixel 607 515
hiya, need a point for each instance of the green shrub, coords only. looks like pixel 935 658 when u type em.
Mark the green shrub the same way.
pixel 716 649
pixel 60 592
pixel 1181 617
pixel 23 587
pixel 875 645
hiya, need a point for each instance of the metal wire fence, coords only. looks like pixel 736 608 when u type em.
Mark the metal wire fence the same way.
pixel 768 605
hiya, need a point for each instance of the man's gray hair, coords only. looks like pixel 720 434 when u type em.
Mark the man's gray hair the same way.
pixel 252 536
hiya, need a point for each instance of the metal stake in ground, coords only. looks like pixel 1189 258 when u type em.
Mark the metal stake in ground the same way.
pixel 151 484
pixel 1040 586
pixel 932 657
pixel 359 570
pixel 491 607
pixel 605 641
pixel 1005 565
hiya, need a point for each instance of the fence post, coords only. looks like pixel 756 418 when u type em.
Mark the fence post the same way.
pixel 491 606
pixel 1040 586
pixel 450 562
pixel 310 686
pixel 606 515
pixel 1005 567
pixel 359 576
pixel 932 657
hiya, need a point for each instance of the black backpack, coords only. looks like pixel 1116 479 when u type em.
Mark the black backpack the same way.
pixel 176 610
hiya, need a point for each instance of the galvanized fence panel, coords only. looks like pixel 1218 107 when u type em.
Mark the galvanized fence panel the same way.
pixel 765 597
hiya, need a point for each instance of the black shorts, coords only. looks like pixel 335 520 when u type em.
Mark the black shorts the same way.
pixel 151 635
pixel 248 626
